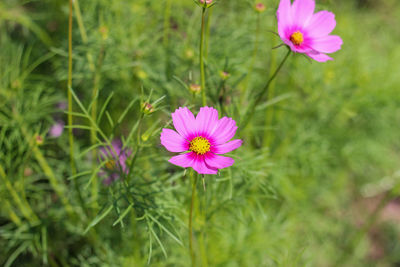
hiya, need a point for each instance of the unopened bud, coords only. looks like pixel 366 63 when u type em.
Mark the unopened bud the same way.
pixel 195 88
pixel 103 32
pixel 224 75
pixel 28 172
pixel 141 74
pixel 148 108
pixel 39 140
pixel 207 1
pixel 189 54
pixel 260 7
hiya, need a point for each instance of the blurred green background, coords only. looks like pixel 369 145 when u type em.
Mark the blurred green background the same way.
pixel 319 156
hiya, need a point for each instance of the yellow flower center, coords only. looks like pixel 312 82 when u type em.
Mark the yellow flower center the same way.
pixel 200 145
pixel 297 38
pixel 110 165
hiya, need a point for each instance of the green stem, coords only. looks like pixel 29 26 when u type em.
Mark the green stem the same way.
pixel 252 107
pixel 190 224
pixel 202 243
pixel 70 119
pixel 82 31
pixel 69 85
pixel 202 73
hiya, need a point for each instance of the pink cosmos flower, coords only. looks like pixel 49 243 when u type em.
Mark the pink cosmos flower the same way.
pixel 306 32
pixel 57 129
pixel 115 159
pixel 202 139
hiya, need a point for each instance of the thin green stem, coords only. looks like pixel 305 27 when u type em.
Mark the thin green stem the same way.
pixel 202 72
pixel 252 107
pixel 69 85
pixel 82 31
pixel 202 242
pixel 70 118
pixel 190 224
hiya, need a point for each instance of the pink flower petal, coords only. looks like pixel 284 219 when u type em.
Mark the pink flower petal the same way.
pixel 200 166
pixel 327 44
pixel 218 162
pixel 284 17
pixel 184 122
pixel 302 11
pixel 227 147
pixel 224 131
pixel 320 57
pixel 173 142
pixel 185 160
pixel 206 121
pixel 322 23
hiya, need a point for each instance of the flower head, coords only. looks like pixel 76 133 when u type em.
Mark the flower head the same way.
pixel 115 159
pixel 202 139
pixel 306 32
pixel 207 1
pixel 57 129
pixel 260 7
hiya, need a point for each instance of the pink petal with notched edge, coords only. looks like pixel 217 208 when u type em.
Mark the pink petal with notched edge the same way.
pixel 225 130
pixel 320 57
pixel 206 121
pixel 184 160
pixel 200 166
pixel 284 15
pixel 218 162
pixel 173 142
pixel 302 11
pixel 322 23
pixel 327 44
pixel 227 147
pixel 184 122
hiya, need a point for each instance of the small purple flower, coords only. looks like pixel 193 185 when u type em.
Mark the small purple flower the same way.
pixel 62 105
pixel 57 129
pixel 115 158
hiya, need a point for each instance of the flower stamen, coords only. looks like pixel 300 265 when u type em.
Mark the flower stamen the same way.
pixel 297 38
pixel 200 145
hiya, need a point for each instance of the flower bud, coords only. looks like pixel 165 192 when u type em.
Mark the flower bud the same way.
pixel 224 75
pixel 103 32
pixel 195 88
pixel 39 140
pixel 147 108
pixel 260 7
pixel 207 1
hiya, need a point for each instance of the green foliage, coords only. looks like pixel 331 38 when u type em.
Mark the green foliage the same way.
pixel 324 138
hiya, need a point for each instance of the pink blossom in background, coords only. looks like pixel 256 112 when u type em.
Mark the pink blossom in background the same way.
pixel 306 32
pixel 201 140
pixel 115 159
pixel 62 105
pixel 207 1
pixel 57 129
